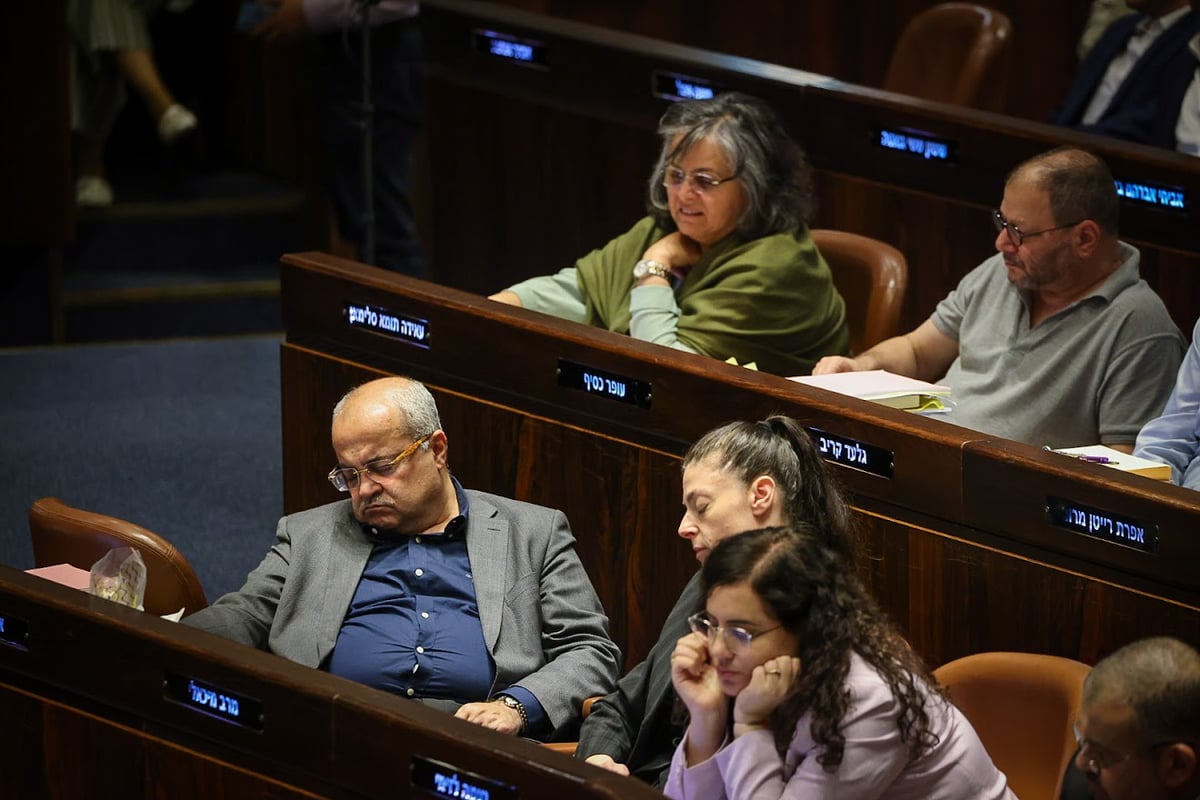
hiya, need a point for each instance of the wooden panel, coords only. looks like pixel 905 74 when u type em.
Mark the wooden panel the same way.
pixel 579 185
pixel 78 725
pixel 851 40
pixel 955 597
pixel 1008 486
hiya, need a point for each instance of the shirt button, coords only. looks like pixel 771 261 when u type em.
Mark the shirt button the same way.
pixel 415 668
pixel 424 615
pixel 420 649
pixel 418 540
pixel 419 572
pixel 409 692
pixel 375 531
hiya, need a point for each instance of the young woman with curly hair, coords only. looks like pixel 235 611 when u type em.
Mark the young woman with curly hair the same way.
pixel 798 686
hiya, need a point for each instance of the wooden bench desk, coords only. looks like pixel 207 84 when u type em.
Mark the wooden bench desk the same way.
pixel 101 700
pixel 956 534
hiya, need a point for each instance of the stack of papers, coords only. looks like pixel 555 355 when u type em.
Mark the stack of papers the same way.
pixel 1099 454
pixel 888 388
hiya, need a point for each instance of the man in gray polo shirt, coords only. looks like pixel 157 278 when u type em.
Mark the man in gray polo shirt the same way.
pixel 1055 340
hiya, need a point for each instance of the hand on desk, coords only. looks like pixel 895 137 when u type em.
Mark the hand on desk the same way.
pixel 832 364
pixel 606 762
pixel 492 714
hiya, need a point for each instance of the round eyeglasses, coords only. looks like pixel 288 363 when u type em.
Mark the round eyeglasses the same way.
pixel 1018 236
pixel 702 182
pixel 346 478
pixel 734 638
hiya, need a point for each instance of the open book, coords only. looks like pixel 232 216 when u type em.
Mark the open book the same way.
pixel 1099 454
pixel 881 386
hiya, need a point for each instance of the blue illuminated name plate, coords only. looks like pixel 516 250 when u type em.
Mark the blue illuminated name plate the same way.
pixel 603 384
pixel 397 326
pixel 1169 197
pixel 672 86
pixel 236 709
pixel 851 453
pixel 443 780
pixel 527 52
pixel 1102 524
pixel 916 143
pixel 14 631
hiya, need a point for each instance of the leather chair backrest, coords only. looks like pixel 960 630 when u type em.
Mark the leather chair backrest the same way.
pixel 872 277
pixel 1022 706
pixel 62 534
pixel 954 53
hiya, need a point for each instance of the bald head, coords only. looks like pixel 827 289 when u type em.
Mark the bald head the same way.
pixel 1078 185
pixel 403 405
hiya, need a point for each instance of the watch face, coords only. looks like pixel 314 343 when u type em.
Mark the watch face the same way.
pixel 643 268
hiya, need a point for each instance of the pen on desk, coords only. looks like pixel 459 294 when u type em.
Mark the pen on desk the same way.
pixel 1089 459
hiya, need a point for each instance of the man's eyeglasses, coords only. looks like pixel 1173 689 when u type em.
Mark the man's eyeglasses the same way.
pixel 702 182
pixel 1018 236
pixel 346 478
pixel 1097 758
pixel 734 639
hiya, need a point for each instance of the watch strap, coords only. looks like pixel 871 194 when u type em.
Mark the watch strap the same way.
pixel 650 267
pixel 516 705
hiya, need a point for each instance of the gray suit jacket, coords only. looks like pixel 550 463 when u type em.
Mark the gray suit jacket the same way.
pixel 541 619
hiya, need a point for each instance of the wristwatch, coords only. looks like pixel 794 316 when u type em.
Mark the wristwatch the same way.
pixel 515 705
pixel 647 267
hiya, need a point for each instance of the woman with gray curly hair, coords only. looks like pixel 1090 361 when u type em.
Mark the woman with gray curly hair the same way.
pixel 723 264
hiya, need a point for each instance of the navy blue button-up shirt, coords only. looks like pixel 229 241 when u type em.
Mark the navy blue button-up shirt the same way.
pixel 413 625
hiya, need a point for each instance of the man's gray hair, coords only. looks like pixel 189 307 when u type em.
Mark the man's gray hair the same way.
pixel 1159 678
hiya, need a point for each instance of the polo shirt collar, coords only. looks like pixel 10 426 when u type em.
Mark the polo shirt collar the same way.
pixel 1123 276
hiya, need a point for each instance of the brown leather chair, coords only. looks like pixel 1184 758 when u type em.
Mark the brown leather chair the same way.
pixel 65 535
pixel 1022 706
pixel 568 748
pixel 954 53
pixel 872 277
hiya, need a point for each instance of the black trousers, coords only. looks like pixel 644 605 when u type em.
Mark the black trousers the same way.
pixel 398 95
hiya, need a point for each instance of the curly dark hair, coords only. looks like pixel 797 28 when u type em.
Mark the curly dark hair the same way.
pixel 812 591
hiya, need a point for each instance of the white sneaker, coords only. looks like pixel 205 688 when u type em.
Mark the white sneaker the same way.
pixel 175 122
pixel 93 191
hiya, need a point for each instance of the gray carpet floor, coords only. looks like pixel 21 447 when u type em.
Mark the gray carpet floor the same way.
pixel 181 437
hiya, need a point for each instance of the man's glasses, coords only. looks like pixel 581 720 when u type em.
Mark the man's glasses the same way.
pixel 702 182
pixel 735 639
pixel 346 478
pixel 1018 236
pixel 1097 758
